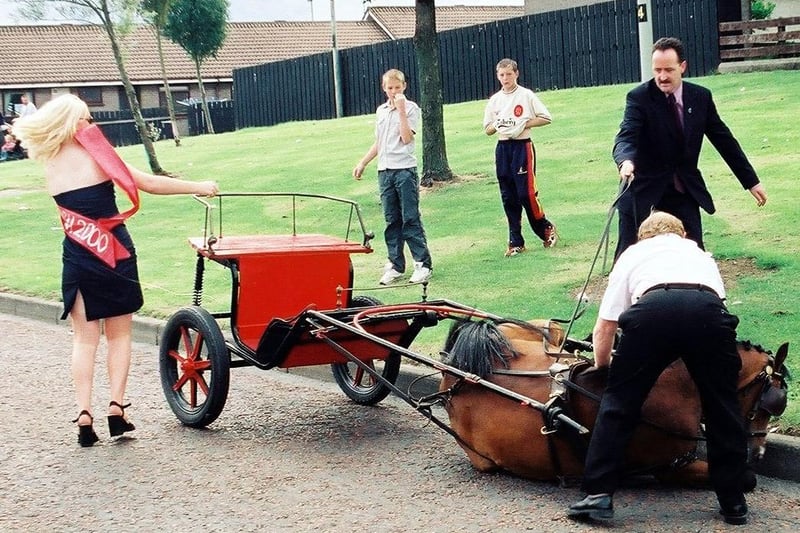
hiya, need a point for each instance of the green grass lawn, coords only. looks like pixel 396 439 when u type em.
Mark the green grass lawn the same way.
pixel 463 219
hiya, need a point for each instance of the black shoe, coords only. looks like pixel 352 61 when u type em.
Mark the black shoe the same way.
pixel 593 507
pixel 734 514
pixel 86 435
pixel 117 425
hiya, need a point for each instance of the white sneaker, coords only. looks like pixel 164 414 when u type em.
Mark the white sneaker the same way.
pixel 550 236
pixel 390 275
pixel 421 273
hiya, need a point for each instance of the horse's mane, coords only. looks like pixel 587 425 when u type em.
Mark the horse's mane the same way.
pixel 748 345
pixel 477 346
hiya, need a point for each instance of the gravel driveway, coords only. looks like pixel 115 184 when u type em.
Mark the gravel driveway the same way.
pixel 287 454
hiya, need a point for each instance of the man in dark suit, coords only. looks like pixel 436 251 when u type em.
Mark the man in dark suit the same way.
pixel 660 139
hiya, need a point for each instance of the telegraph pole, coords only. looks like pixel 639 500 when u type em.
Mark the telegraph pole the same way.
pixel 644 14
pixel 337 82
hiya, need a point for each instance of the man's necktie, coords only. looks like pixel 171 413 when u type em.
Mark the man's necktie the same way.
pixel 677 118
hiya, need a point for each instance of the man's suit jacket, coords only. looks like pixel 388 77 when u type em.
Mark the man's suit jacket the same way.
pixel 649 137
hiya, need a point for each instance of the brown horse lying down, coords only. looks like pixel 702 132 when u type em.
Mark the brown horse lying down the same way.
pixel 498 433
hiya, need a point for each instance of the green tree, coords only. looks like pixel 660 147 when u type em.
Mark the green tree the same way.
pixel 426 44
pixel 116 17
pixel 760 9
pixel 200 29
pixel 155 12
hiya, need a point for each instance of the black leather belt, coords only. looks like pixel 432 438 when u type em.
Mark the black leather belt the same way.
pixel 682 286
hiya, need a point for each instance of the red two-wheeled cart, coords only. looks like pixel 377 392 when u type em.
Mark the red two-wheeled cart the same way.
pixel 291 305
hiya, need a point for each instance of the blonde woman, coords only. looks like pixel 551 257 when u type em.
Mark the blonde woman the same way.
pixel 100 280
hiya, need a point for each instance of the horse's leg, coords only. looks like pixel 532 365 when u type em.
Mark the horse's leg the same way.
pixel 462 420
pixel 694 474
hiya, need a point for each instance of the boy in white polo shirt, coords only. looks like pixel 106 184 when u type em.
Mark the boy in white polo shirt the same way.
pixel 395 125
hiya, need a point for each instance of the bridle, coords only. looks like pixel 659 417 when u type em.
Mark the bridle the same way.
pixel 771 398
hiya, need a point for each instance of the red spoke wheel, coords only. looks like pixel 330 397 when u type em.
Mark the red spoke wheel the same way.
pixel 356 382
pixel 195 366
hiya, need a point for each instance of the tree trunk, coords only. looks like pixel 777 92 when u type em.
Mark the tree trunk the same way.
pixel 130 92
pixel 426 45
pixel 206 112
pixel 176 136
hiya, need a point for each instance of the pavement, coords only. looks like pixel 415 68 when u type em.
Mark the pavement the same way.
pixel 782 459
pixel 760 65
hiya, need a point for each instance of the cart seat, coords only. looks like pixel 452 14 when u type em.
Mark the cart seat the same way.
pixel 278 338
pixel 279 276
pixel 229 247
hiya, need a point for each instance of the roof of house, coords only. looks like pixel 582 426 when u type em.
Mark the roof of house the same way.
pixel 79 54
pixel 399 22
pixel 72 54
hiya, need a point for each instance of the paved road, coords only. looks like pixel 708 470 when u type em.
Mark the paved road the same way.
pixel 288 454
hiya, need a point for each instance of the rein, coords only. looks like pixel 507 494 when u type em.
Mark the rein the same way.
pixel 442 398
pixel 624 185
pixel 522 373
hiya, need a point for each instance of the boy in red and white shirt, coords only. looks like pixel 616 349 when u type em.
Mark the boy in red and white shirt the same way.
pixel 511 113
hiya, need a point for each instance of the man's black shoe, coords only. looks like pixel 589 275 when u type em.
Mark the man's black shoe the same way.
pixel 734 514
pixel 593 507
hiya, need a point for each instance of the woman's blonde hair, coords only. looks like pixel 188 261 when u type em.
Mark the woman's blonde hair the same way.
pixel 43 133
pixel 659 223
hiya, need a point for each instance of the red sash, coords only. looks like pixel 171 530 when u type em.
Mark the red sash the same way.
pixel 95 235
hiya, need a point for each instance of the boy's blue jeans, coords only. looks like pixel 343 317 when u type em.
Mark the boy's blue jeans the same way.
pixel 399 190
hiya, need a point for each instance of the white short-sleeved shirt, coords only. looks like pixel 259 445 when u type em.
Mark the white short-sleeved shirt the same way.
pixel 666 258
pixel 27 109
pixel 393 153
pixel 521 104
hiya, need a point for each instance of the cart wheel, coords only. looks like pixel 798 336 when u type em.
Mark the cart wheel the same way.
pixel 356 383
pixel 195 366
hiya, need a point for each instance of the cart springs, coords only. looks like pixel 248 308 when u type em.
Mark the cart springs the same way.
pixel 197 292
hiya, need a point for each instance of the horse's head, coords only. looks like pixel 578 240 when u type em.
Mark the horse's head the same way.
pixel 762 392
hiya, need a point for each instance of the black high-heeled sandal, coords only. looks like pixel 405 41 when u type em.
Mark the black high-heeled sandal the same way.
pixel 86 435
pixel 117 425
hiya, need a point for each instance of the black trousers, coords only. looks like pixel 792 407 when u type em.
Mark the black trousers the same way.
pixel 515 163
pixel 663 325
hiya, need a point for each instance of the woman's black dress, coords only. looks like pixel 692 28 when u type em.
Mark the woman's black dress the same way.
pixel 106 291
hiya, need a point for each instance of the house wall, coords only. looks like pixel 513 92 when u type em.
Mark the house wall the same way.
pixel 148 95
pixel 109 101
pixel 113 96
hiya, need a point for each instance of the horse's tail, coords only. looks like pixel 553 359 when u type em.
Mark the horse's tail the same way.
pixel 478 346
